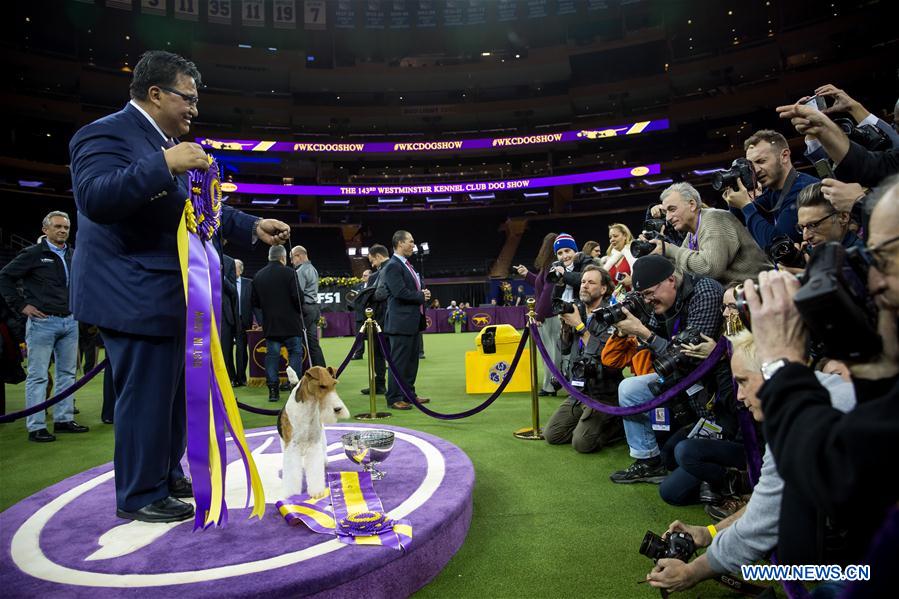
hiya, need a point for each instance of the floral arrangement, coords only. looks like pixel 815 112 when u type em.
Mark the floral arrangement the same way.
pixel 506 288
pixel 458 315
pixel 339 281
pixel 322 322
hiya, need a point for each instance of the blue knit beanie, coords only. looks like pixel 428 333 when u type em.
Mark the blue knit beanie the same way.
pixel 564 240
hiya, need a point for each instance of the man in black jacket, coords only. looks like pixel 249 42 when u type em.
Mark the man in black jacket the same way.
pixel 245 321
pixel 406 299
pixel 832 462
pixel 275 292
pixel 44 269
pixel 229 313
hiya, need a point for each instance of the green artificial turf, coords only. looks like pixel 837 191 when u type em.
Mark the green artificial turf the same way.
pixel 547 521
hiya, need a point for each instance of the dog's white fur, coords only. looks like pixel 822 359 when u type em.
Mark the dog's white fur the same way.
pixel 313 403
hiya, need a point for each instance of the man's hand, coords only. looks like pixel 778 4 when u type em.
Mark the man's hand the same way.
pixel 631 325
pixel 521 269
pixel 273 232
pixel 184 157
pixel 657 211
pixel 776 325
pixel 32 312
pixel 701 535
pixel 559 270
pixel 736 199
pixel 672 574
pixel 842 102
pixel 811 122
pixel 427 293
pixel 572 319
pixel 658 246
pixel 700 350
pixel 842 196
pixel 626 281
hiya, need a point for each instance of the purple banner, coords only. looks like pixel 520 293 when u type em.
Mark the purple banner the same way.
pixel 429 188
pixel 478 318
pixel 340 324
pixel 425 147
pixel 513 315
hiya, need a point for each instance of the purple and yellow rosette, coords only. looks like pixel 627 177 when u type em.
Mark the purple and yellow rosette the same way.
pixel 211 406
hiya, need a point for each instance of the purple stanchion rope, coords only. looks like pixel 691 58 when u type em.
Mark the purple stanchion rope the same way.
pixel 704 367
pixel 56 398
pixel 407 392
pixel 266 412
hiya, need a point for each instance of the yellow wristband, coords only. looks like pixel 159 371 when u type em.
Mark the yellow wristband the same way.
pixel 712 530
pixel 580 327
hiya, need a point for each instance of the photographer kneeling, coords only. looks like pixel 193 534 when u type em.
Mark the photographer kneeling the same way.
pixel 583 339
pixel 684 307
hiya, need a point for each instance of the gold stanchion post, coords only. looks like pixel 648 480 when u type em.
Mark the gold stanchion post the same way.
pixel 372 414
pixel 533 433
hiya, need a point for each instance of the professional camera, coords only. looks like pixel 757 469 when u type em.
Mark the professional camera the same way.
pixel 560 306
pixel 640 248
pixel 783 251
pixel 653 225
pixel 552 276
pixel 869 137
pixel 673 363
pixel 834 303
pixel 674 545
pixel 740 170
pixel 584 369
pixel 633 301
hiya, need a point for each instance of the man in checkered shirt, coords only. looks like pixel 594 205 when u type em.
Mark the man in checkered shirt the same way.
pixel 679 301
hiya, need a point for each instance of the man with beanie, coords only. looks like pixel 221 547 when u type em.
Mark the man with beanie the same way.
pixel 567 273
pixel 678 301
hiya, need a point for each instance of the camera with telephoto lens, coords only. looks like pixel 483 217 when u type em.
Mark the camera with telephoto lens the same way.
pixel 673 361
pixel 833 301
pixel 674 545
pixel 869 137
pixel 560 306
pixel 552 276
pixel 585 369
pixel 640 248
pixel 633 301
pixel 740 170
pixel 783 251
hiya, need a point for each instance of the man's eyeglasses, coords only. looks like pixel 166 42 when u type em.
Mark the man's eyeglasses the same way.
pixel 192 100
pixel 875 257
pixel 813 226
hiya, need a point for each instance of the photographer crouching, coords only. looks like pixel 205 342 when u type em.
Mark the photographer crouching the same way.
pixel 684 307
pixel 583 337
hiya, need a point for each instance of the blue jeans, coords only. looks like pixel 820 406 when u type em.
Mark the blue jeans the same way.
pixel 56 336
pixel 699 460
pixel 294 347
pixel 641 439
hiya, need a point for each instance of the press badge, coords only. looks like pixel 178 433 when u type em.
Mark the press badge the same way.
pixel 577 383
pixel 661 419
pixel 696 388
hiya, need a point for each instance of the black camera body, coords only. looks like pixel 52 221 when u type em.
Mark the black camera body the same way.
pixel 869 137
pixel 673 363
pixel 783 251
pixel 609 315
pixel 560 306
pixel 740 170
pixel 552 276
pixel 653 225
pixel 640 248
pixel 674 545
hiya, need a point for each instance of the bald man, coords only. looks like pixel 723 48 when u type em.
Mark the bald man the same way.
pixel 307 277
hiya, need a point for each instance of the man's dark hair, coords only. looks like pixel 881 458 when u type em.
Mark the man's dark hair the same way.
pixel 399 237
pixel 773 137
pixel 160 68
pixel 811 197
pixel 379 250
pixel 605 279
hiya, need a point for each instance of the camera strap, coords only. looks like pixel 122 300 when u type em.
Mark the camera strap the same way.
pixel 788 185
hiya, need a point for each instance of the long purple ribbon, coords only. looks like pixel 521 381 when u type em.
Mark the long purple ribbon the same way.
pixel 701 370
pixel 409 395
pixel 58 397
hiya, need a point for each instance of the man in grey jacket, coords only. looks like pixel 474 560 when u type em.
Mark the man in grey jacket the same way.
pixel 751 533
pixel 307 278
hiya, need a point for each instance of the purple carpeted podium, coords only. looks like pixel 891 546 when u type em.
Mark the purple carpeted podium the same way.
pixel 65 541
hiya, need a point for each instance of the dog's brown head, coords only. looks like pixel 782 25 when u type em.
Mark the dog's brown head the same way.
pixel 318 385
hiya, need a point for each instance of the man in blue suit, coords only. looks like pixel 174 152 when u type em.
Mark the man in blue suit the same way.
pixel 405 316
pixel 129 182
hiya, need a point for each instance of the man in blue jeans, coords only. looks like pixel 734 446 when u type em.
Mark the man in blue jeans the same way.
pixel 277 294
pixel 43 269
pixel 679 301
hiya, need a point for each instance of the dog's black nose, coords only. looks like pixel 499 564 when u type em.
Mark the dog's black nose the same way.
pixel 336 410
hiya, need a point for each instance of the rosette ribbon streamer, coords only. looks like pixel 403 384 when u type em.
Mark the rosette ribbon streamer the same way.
pixel 211 406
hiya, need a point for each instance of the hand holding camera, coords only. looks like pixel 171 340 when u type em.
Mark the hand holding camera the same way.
pixel 572 318
pixel 701 535
pixel 776 325
pixel 700 351
pixel 842 196
pixel 631 325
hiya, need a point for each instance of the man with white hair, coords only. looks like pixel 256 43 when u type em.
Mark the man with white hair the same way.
pixel 715 245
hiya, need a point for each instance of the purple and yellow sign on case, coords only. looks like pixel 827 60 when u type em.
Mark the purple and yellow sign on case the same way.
pixel 428 188
pixel 445 145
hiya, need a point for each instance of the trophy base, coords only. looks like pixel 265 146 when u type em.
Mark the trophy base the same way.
pixel 374 416
pixel 529 434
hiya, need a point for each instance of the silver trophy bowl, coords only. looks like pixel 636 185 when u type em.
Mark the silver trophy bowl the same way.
pixel 368 448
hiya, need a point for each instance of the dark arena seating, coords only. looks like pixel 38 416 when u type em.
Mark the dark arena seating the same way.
pixel 478 126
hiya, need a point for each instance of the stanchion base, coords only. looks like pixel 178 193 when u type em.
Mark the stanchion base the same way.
pixel 375 416
pixel 529 434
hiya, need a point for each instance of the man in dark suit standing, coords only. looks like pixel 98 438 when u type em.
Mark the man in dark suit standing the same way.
pixel 275 291
pixel 129 181
pixel 245 321
pixel 405 316
pixel 229 313
pixel 369 298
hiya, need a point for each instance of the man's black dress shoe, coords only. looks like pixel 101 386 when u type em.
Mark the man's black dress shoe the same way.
pixel 543 393
pixel 107 420
pixel 41 435
pixel 237 384
pixel 181 489
pixel 378 391
pixel 164 510
pixel 69 427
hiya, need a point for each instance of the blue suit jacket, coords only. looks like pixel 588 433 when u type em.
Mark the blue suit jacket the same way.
pixel 125 274
pixel 404 301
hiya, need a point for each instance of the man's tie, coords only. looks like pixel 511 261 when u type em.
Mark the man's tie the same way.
pixel 421 308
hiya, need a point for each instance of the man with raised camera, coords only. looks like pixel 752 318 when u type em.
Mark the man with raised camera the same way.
pixel 565 273
pixel 715 245
pixel 583 339
pixel 819 222
pixel 681 303
pixel 770 214
pixel 846 484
